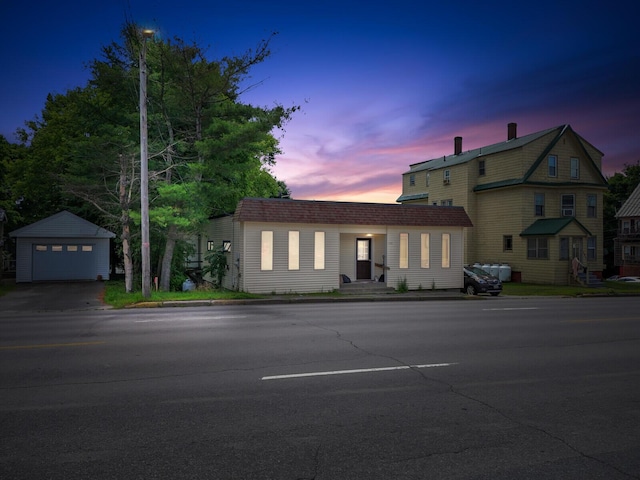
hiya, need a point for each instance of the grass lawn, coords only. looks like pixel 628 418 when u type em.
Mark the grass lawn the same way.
pixel 612 288
pixel 116 296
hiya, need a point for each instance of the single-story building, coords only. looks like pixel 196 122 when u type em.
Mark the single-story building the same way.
pixel 286 246
pixel 62 247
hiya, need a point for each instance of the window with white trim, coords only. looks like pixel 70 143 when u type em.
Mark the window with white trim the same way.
pixel 266 250
pixel 575 168
pixel 404 251
pixel 592 202
pixel 568 205
pixel 424 250
pixel 592 253
pixel 446 250
pixel 446 177
pixel 538 247
pixel 552 165
pixel 538 199
pixel 294 250
pixel 318 251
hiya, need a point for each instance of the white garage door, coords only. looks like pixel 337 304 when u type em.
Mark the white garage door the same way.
pixel 64 261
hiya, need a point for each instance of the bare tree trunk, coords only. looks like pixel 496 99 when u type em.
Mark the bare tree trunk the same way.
pixel 125 220
pixel 128 262
pixel 167 258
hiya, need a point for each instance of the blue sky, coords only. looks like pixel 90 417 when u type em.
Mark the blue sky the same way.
pixel 382 84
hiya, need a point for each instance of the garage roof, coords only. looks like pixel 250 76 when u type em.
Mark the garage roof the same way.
pixel 62 225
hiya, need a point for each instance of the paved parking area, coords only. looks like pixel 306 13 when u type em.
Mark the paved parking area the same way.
pixel 53 296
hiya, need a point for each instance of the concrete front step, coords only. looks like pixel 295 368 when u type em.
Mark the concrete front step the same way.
pixel 593 281
pixel 359 287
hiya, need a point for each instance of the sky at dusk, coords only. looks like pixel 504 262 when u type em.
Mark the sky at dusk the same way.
pixel 382 85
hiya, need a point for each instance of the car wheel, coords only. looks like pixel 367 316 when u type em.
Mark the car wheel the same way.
pixel 471 290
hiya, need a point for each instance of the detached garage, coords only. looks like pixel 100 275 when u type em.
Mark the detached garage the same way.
pixel 63 247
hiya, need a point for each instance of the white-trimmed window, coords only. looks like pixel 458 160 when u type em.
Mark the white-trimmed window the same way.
pixel 424 250
pixel 538 247
pixel 294 250
pixel 318 251
pixel 428 176
pixel 568 203
pixel 412 180
pixel 446 177
pixel 538 199
pixel 592 253
pixel 592 203
pixel 552 163
pixel 404 251
pixel 446 250
pixel 575 168
pixel 266 250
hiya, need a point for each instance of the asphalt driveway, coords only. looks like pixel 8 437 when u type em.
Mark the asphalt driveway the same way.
pixel 53 296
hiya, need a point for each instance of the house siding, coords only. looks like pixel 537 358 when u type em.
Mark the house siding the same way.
pixel 280 279
pixel 435 276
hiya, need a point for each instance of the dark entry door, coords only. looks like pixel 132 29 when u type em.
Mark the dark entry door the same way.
pixel 363 259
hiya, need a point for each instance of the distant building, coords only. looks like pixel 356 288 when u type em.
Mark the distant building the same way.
pixel 536 201
pixel 627 242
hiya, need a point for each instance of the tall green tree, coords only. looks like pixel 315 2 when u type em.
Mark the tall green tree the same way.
pixel 210 149
pixel 207 148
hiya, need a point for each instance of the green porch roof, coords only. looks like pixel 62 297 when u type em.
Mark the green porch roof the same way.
pixel 417 196
pixel 549 227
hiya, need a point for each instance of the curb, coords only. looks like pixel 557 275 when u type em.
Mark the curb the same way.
pixel 297 300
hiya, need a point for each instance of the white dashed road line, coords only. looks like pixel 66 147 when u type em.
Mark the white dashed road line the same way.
pixel 358 370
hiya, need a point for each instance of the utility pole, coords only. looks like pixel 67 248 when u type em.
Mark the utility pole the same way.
pixel 144 169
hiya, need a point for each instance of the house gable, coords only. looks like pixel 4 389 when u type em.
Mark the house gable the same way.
pixel 631 208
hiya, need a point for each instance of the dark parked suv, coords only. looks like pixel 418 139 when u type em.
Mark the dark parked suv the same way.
pixel 477 281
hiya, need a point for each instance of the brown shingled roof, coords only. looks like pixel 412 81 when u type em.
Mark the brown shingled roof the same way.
pixel 275 210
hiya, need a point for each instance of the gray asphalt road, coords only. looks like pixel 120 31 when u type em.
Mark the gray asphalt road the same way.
pixel 495 389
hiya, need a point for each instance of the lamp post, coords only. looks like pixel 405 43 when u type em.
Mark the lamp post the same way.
pixel 144 169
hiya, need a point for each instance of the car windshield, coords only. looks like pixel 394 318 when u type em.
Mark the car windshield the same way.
pixel 477 271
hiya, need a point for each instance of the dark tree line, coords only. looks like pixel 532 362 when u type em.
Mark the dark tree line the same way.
pixel 207 149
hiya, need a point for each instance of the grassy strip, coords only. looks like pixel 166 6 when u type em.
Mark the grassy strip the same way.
pixel 116 296
pixel 528 289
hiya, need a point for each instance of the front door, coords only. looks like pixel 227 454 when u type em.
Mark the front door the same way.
pixel 363 259
pixel 577 248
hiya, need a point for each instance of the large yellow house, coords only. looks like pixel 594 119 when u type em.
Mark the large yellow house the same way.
pixel 536 202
